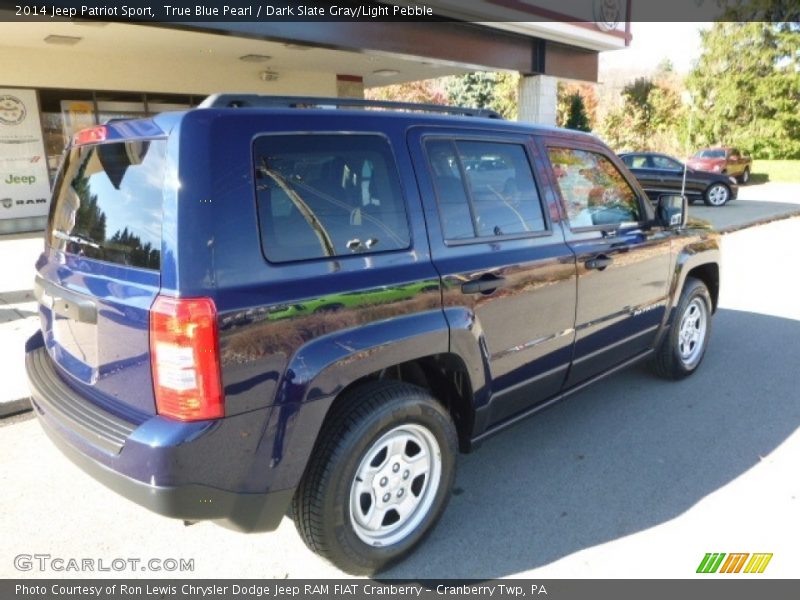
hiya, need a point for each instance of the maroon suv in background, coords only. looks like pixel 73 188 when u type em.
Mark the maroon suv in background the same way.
pixel 723 159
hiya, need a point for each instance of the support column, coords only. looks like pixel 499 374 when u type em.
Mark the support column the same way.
pixel 349 86
pixel 537 99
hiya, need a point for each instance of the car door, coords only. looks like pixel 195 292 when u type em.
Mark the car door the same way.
pixel 670 176
pixel 623 261
pixel 735 162
pixel 509 277
pixel 642 168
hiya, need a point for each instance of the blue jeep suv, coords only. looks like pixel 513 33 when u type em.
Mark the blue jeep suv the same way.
pixel 267 305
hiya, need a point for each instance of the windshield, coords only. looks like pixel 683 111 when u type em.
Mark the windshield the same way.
pixel 711 153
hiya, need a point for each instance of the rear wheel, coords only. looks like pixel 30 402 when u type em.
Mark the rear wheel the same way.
pixel 745 176
pixel 379 478
pixel 684 344
pixel 717 194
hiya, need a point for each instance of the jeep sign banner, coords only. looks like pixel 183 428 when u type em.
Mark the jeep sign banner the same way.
pixel 24 183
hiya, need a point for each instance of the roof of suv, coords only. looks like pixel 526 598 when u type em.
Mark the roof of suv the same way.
pixel 344 108
pixel 333 108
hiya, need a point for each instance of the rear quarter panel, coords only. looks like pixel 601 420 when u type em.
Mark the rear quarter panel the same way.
pixel 269 312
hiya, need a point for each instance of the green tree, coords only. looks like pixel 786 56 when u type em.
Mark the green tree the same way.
pixel 472 89
pixel 665 67
pixel 425 91
pixel 775 11
pixel 493 90
pixel 506 94
pixel 577 118
pixel 651 117
pixel 639 106
pixel 564 99
pixel 746 88
pixel 668 121
pixel 615 130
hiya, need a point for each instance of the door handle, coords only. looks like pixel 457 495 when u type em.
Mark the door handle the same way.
pixel 599 262
pixel 482 285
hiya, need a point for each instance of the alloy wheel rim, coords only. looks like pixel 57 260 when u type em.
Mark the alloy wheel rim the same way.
pixel 692 332
pixel 718 195
pixel 395 485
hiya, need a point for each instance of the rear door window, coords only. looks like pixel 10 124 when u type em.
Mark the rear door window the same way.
pixel 666 164
pixel 327 195
pixel 107 203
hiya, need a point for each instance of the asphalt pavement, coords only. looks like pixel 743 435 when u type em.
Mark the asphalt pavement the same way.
pixel 635 477
pixel 756 204
pixel 18 316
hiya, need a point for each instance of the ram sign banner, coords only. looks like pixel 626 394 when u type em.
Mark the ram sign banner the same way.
pixel 24 183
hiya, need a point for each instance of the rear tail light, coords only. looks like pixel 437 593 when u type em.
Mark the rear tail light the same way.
pixel 185 358
pixel 91 135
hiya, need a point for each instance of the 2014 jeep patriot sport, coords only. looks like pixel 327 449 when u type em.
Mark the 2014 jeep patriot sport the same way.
pixel 264 303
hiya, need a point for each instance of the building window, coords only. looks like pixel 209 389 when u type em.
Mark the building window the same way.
pixel 65 112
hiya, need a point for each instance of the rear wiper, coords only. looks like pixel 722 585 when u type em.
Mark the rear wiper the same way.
pixel 77 239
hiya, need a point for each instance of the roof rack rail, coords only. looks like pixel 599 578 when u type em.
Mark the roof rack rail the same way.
pixel 258 101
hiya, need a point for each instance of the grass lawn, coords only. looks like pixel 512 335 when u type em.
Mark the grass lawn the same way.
pixel 787 171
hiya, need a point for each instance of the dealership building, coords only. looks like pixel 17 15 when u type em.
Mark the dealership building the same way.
pixel 60 76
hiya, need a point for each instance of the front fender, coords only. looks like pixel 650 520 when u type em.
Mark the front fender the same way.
pixel 702 251
pixel 697 246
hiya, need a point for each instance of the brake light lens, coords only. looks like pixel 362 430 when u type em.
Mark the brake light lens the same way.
pixel 91 135
pixel 184 354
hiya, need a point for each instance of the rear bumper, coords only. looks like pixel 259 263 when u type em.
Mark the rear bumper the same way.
pixel 191 502
pixel 106 446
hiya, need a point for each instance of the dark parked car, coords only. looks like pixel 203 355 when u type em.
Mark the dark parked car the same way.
pixel 182 359
pixel 724 160
pixel 663 174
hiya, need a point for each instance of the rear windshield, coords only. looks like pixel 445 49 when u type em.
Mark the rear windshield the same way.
pixel 107 203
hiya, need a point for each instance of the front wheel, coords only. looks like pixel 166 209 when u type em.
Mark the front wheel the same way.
pixel 684 344
pixel 717 194
pixel 379 478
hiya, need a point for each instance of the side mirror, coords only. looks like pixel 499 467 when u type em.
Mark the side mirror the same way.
pixel 672 211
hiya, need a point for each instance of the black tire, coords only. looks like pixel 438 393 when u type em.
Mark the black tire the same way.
pixel 717 194
pixel 676 358
pixel 325 512
pixel 744 178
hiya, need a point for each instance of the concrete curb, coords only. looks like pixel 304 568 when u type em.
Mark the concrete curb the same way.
pixel 15 407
